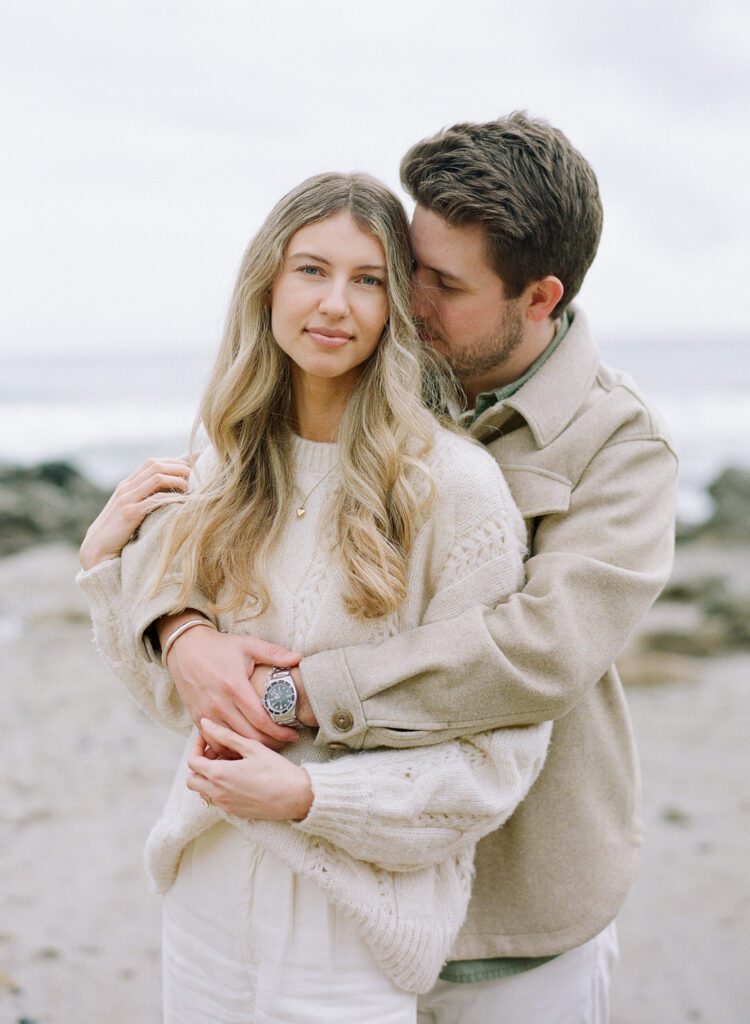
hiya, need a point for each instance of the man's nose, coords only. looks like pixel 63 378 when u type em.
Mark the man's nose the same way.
pixel 421 302
pixel 335 301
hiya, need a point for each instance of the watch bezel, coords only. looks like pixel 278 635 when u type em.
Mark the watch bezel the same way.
pixel 278 678
pixel 271 690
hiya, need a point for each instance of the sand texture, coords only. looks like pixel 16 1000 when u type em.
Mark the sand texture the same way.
pixel 84 774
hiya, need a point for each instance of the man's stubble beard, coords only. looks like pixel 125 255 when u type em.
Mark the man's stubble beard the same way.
pixel 477 358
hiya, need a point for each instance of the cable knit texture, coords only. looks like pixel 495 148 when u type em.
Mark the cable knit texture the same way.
pixel 390 836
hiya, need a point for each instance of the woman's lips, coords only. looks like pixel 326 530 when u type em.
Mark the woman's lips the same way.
pixel 335 339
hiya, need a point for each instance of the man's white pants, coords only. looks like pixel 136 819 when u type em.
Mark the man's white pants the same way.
pixel 571 989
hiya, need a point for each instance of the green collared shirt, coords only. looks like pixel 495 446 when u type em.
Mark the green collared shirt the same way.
pixel 462 971
pixel 489 398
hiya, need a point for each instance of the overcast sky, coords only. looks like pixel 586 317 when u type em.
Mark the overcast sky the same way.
pixel 145 140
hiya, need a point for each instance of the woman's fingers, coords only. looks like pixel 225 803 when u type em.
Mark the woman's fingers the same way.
pixel 199 746
pixel 158 499
pixel 151 468
pixel 156 482
pixel 225 737
pixel 236 720
pixel 154 475
pixel 201 786
pixel 134 499
pixel 164 479
pixel 179 467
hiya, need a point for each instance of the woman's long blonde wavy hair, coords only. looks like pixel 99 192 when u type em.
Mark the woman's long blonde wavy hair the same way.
pixel 225 531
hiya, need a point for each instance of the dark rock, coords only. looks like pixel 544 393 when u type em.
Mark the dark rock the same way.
pixel 733 612
pixel 48 953
pixel 696 588
pixel 714 618
pixel 655 668
pixel 48 502
pixel 686 532
pixel 675 816
pixel 709 638
pixel 730 519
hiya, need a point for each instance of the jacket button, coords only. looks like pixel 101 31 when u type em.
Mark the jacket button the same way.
pixel 342 720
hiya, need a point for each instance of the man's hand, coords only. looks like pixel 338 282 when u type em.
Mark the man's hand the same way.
pixel 257 784
pixel 211 672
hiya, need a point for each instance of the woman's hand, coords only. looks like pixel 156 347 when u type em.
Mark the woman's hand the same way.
pixel 157 482
pixel 261 784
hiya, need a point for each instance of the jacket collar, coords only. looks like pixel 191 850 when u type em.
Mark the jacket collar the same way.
pixel 552 397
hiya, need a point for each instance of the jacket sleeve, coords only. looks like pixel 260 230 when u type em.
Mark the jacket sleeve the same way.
pixel 404 810
pixel 593 574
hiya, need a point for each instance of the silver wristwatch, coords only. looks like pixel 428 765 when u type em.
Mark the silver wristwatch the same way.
pixel 280 697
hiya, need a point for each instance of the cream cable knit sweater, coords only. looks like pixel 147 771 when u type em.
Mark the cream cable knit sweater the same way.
pixel 390 836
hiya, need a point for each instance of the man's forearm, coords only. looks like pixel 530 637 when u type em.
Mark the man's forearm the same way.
pixel 592 576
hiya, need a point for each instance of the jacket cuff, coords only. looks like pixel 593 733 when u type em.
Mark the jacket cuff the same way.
pixel 341 800
pixel 334 700
pixel 102 583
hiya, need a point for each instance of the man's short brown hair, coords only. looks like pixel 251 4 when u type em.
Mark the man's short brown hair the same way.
pixel 524 183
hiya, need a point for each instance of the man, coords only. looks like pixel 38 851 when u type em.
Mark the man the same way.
pixel 507 222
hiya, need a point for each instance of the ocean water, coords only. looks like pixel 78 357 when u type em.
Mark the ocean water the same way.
pixel 107 413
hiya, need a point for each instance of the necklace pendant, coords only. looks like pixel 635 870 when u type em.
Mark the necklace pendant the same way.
pixel 301 512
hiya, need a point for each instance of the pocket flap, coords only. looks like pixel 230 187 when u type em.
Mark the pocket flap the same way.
pixel 537 492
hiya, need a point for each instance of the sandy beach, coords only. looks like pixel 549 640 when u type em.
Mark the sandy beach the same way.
pixel 85 773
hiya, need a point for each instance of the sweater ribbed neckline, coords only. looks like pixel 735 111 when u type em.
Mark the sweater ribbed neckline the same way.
pixel 313 456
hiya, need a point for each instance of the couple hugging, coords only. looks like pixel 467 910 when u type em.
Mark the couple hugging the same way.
pixel 384 596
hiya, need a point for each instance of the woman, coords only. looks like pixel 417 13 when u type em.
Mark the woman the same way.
pixel 330 508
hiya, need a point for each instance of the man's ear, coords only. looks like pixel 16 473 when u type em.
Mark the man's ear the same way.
pixel 541 297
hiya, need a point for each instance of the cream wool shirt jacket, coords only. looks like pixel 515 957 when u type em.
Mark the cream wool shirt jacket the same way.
pixel 591 468
pixel 390 835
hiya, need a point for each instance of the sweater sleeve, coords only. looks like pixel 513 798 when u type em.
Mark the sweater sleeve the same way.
pixel 124 604
pixel 407 809
pixel 148 683
pixel 142 603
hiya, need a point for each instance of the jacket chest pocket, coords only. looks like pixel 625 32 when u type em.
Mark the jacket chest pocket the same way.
pixel 537 492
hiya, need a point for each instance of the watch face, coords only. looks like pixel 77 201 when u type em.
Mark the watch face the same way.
pixel 280 697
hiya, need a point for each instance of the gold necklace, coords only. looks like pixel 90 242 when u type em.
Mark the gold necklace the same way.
pixel 301 510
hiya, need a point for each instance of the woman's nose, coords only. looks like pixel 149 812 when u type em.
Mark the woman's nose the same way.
pixel 334 301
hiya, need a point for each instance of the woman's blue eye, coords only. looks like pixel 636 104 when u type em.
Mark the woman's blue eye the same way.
pixel 310 270
pixel 369 280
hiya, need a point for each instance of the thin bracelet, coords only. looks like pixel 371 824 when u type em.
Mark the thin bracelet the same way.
pixel 176 633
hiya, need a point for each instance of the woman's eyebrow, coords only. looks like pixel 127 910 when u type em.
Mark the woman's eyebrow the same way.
pixel 322 259
pixel 309 256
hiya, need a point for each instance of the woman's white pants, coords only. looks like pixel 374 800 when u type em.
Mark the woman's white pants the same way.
pixel 246 941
